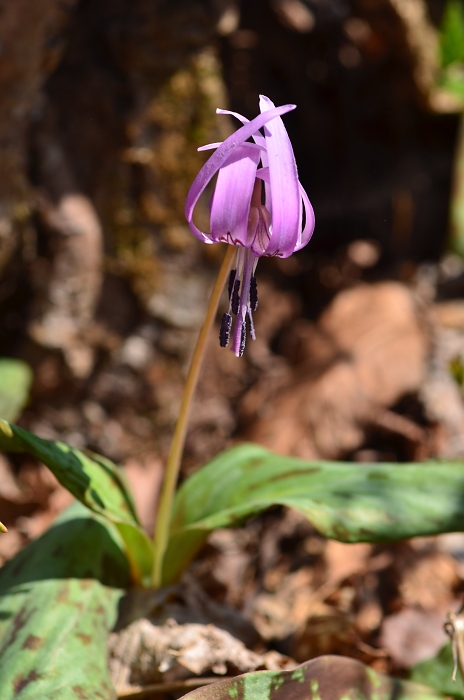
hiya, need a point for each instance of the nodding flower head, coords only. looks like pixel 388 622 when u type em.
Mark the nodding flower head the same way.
pixel 257 205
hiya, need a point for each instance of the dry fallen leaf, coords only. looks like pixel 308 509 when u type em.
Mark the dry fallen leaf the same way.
pixel 368 350
pixel 413 635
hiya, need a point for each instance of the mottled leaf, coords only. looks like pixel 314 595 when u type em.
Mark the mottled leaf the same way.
pixel 15 384
pixel 58 601
pixel 437 673
pixel 96 482
pixel 346 502
pixel 324 678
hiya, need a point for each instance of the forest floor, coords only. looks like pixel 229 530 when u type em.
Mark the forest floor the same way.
pixel 375 375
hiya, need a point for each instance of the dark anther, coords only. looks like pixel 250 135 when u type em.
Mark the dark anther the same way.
pixel 232 274
pixel 253 294
pixel 235 300
pixel 224 333
pixel 242 339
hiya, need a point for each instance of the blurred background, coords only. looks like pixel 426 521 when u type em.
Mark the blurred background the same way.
pixel 360 349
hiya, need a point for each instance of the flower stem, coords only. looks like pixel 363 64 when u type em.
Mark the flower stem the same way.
pixel 163 519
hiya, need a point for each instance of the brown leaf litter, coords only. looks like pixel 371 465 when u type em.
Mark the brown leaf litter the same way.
pixel 172 641
pixel 368 349
pixel 275 593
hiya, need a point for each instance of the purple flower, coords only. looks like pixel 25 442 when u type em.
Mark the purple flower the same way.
pixel 257 205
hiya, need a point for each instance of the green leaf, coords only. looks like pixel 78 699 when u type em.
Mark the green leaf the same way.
pixel 324 678
pixel 346 502
pixel 437 673
pixel 452 33
pixel 15 384
pixel 58 601
pixel 96 482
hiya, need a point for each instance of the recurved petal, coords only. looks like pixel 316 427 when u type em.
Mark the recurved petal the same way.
pixel 256 137
pixel 261 143
pixel 219 157
pixel 230 204
pixel 310 221
pixel 303 235
pixel 211 146
pixel 284 186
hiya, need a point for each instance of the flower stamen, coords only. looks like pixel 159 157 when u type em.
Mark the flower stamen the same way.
pixel 252 326
pixel 242 339
pixel 224 333
pixel 253 293
pixel 235 298
pixel 230 286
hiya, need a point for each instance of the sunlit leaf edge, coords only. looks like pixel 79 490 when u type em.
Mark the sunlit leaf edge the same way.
pixel 61 459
